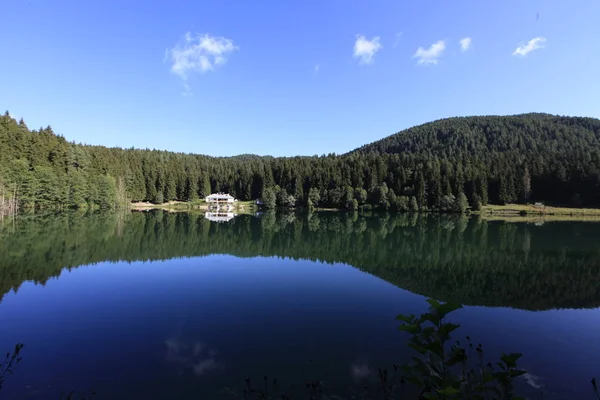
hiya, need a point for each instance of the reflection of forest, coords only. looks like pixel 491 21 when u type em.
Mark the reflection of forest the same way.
pixel 467 260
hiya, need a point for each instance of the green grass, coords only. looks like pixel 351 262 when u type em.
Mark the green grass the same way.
pixel 529 211
pixel 239 207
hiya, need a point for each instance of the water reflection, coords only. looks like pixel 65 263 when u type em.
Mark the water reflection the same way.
pixel 192 354
pixel 219 216
pixel 224 301
pixel 468 260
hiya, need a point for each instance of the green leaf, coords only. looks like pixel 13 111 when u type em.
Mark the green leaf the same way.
pixel 447 328
pixel 420 349
pixel 436 347
pixel 516 372
pixel 406 318
pixel 458 355
pixel 434 303
pixel 448 307
pixel 428 332
pixel 448 391
pixel 502 377
pixel 511 359
pixel 410 328
pixel 431 317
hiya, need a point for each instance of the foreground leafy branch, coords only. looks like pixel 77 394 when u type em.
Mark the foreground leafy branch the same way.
pixel 10 363
pixel 451 371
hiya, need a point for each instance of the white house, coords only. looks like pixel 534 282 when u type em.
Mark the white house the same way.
pixel 220 198
pixel 220 201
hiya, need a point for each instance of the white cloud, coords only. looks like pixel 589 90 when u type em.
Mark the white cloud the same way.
pixel 198 54
pixel 533 44
pixel 465 44
pixel 532 380
pixel 365 49
pixel 397 41
pixel 317 67
pixel 432 54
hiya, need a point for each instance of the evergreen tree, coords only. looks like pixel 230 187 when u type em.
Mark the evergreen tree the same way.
pixel 269 198
pixel 420 190
pixel 313 198
pixel 107 191
pixel 77 190
pixel 482 189
pixel 206 186
pixel 413 205
pixel 526 188
pixel 460 203
pixel 360 195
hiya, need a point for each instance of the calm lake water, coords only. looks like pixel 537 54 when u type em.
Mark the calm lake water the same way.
pixel 174 306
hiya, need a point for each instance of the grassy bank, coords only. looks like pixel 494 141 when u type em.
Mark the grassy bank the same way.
pixel 528 212
pixel 198 205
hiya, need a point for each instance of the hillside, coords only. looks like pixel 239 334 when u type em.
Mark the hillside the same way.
pixel 527 133
pixel 446 165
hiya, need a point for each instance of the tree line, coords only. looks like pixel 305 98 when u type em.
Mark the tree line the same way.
pixel 451 258
pixel 446 165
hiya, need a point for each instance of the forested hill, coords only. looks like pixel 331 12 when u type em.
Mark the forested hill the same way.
pixel 445 165
pixel 530 134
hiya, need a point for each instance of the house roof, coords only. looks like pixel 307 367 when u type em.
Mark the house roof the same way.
pixel 219 196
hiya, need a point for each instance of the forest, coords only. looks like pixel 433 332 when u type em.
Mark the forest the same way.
pixel 448 257
pixel 447 165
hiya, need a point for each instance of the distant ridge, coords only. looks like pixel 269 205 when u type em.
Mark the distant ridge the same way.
pixel 486 133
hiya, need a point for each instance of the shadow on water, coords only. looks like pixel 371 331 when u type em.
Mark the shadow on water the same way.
pixel 450 258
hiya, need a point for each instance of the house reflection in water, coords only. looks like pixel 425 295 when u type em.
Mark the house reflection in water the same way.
pixel 219 216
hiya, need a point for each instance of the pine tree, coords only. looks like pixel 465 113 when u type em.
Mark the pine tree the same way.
pixel 313 198
pixel 107 192
pixel 269 199
pixel 526 186
pixel 460 203
pixel 206 187
pixel 482 189
pixel 420 191
pixel 413 205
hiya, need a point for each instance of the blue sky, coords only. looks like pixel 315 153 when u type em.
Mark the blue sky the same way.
pixel 289 77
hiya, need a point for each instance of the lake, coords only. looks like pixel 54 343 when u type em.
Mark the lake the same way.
pixel 176 306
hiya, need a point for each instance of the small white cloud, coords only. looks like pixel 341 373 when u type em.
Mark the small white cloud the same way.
pixel 365 49
pixel 465 44
pixel 533 44
pixel 430 55
pixel 532 380
pixel 317 67
pixel 397 41
pixel 198 54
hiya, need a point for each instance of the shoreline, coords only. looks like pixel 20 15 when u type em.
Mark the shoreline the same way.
pixel 533 213
pixel 182 206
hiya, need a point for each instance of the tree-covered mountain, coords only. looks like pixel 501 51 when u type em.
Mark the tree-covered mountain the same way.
pixel 529 134
pixel 443 165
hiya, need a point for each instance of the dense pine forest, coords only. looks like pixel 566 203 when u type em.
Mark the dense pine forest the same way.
pixel 446 165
